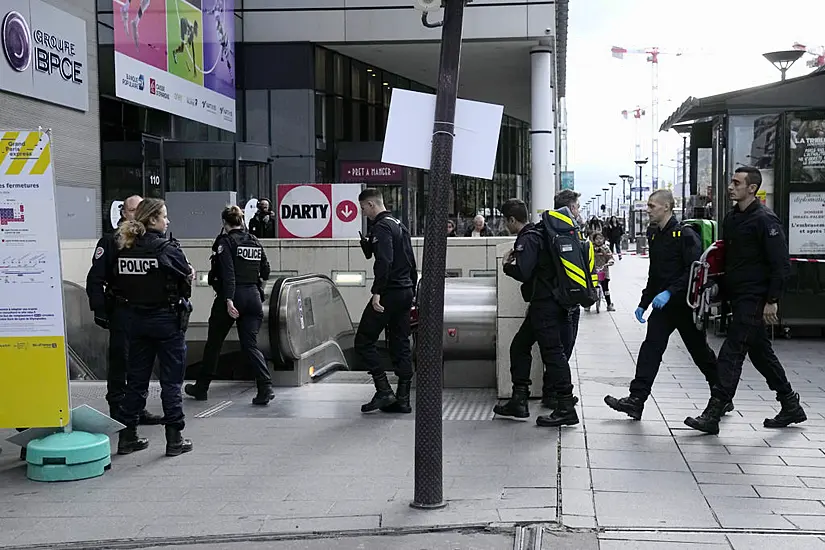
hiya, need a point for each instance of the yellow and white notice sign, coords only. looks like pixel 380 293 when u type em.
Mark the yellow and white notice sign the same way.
pixel 34 380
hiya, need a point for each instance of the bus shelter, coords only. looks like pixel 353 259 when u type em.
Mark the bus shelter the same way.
pixel 780 129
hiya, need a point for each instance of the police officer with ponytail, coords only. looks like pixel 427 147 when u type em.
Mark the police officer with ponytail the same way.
pixel 239 267
pixel 155 282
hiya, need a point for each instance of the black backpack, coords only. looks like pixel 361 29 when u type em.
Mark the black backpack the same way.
pixel 573 258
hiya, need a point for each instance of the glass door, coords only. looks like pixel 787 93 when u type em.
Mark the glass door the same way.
pixel 152 150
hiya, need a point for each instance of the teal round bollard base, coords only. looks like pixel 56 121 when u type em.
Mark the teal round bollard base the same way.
pixel 68 456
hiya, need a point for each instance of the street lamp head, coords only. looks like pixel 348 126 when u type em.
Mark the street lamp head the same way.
pixel 784 59
pixel 640 162
pixel 630 179
pixel 605 189
pixel 625 176
pixel 612 183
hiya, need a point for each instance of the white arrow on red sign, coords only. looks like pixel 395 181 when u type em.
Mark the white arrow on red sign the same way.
pixel 347 211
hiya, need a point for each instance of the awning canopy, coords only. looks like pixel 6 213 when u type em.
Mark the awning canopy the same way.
pixel 802 93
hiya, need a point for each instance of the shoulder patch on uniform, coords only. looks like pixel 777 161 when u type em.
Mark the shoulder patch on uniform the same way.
pixel 99 252
pixel 519 248
pixel 220 248
pixel 773 232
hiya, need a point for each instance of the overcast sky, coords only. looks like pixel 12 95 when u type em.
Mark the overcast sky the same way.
pixel 726 38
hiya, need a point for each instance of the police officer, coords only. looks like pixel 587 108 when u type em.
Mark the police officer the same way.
pixel 110 313
pixel 389 308
pixel 672 251
pixel 155 281
pixel 239 268
pixel 530 264
pixel 757 265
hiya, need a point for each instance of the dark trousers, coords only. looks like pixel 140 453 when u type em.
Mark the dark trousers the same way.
pixel 616 246
pixel 605 284
pixel 570 331
pixel 154 334
pixel 543 324
pixel 396 321
pixel 748 335
pixel 118 356
pixel 660 325
pixel 248 303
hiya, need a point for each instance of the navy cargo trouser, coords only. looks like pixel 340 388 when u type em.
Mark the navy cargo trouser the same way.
pixel 544 324
pixel 748 335
pixel 155 333
pixel 118 355
pixel 396 321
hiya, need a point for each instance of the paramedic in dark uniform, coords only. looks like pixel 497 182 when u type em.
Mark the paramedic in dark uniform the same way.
pixel 530 264
pixel 393 289
pixel 241 266
pixel 672 251
pixel 112 314
pixel 567 198
pixel 757 266
pixel 155 280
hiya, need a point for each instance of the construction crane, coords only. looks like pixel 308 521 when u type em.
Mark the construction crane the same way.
pixel 652 54
pixel 637 113
pixel 817 51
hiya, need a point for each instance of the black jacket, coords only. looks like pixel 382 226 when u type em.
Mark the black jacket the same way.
pixel 672 250
pixel 263 229
pixel 225 248
pixel 757 262
pixel 100 279
pixel 395 266
pixel 485 231
pixel 533 267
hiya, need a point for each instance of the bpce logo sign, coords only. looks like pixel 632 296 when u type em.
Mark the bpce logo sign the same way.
pixel 51 54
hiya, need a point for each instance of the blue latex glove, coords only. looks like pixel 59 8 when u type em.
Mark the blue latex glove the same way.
pixel 661 299
pixel 639 312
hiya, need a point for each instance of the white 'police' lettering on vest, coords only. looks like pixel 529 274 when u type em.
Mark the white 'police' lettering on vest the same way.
pixel 136 266
pixel 250 253
pixel 304 211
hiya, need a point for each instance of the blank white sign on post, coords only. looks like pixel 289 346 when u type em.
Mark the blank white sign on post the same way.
pixel 408 140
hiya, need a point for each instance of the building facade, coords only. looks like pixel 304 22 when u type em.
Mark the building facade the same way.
pixel 30 98
pixel 312 87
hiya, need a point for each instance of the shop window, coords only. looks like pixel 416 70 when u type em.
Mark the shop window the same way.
pixel 359 75
pixel 321 69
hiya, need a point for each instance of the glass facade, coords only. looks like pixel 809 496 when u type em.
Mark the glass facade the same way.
pixel 352 102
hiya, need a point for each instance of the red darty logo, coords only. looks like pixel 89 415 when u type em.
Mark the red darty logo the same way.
pixel 304 211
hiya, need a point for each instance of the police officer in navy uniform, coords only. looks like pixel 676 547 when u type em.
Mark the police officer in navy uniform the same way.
pixel 155 281
pixel 239 268
pixel 673 249
pixel 530 264
pixel 757 266
pixel 111 314
pixel 389 308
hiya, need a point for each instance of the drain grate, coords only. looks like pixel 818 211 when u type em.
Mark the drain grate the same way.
pixel 468 404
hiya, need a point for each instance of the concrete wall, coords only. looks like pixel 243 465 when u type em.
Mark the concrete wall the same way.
pixel 389 20
pixel 75 134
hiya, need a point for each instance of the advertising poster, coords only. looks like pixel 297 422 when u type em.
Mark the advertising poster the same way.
pixel 807 151
pixel 568 180
pixel 178 56
pixel 806 224
pixel 34 382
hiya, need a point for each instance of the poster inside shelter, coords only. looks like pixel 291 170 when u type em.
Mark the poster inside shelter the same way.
pixel 807 151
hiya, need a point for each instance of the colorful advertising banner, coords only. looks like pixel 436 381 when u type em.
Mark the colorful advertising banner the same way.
pixel 178 56
pixel 34 380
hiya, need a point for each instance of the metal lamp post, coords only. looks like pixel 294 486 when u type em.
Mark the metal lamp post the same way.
pixel 612 202
pixel 640 164
pixel 429 481
pixel 783 60
pixel 625 178
pixel 605 189
pixel 684 132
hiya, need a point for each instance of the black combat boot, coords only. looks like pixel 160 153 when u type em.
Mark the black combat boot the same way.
pixel 551 401
pixel 631 405
pixel 149 419
pixel 198 390
pixel 129 442
pixel 384 397
pixel 728 406
pixel 175 443
pixel 791 412
pixel 402 398
pixel 517 405
pixel 563 415
pixel 708 421
pixel 265 393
